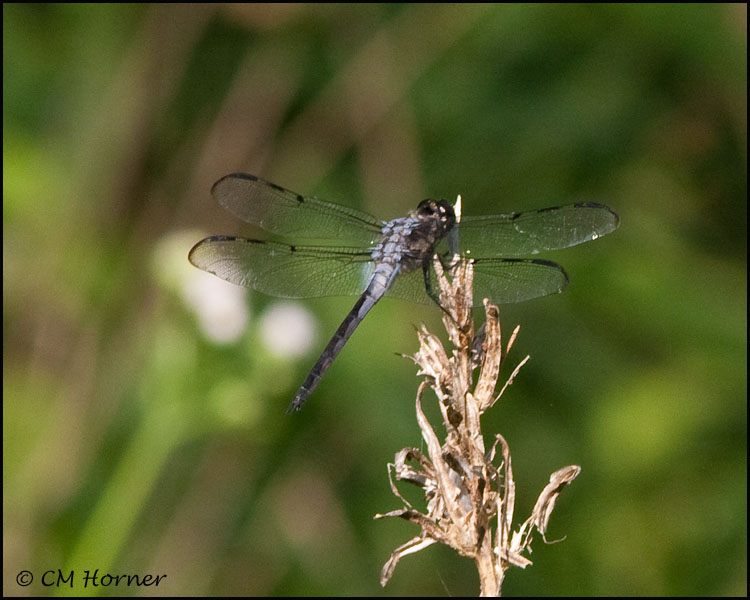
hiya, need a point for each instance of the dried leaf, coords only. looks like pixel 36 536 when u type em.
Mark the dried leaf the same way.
pixel 547 499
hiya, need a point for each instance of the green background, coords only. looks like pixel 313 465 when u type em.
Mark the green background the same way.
pixel 134 444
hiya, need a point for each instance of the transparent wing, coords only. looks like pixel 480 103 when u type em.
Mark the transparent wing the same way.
pixel 282 212
pixel 283 270
pixel 315 271
pixel 411 287
pixel 519 234
pixel 502 280
pixel 511 280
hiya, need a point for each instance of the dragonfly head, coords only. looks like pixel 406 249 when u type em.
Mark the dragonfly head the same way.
pixel 439 211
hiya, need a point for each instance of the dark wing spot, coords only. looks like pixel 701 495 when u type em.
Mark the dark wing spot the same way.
pixel 591 205
pixel 245 176
pixel 538 261
pixel 549 263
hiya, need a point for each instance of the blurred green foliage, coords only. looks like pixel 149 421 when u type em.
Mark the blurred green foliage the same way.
pixel 133 444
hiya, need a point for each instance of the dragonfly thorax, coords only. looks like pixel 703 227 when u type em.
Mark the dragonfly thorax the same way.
pixel 410 241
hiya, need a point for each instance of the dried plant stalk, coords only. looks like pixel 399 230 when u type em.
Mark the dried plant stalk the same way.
pixel 469 500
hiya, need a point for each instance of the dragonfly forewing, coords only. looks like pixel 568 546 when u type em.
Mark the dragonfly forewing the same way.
pixel 528 233
pixel 283 212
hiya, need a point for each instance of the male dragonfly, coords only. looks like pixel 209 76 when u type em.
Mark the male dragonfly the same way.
pixel 357 254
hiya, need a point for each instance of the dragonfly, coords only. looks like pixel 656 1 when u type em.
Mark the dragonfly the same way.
pixel 327 249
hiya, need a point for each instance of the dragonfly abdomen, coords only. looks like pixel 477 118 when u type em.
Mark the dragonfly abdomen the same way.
pixel 380 281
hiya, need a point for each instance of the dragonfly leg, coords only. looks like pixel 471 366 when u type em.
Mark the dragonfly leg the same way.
pixel 431 292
